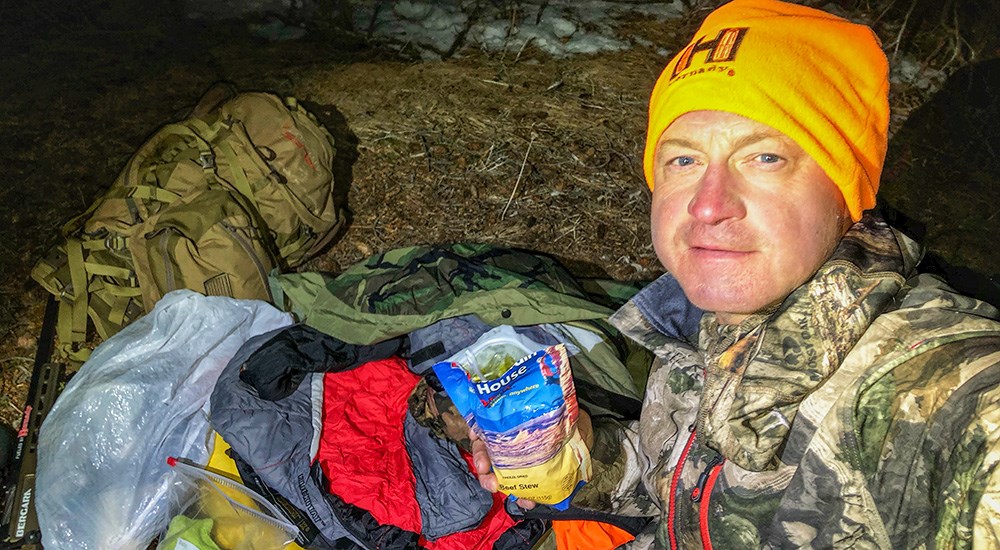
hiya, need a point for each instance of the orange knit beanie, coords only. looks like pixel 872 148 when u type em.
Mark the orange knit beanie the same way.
pixel 819 79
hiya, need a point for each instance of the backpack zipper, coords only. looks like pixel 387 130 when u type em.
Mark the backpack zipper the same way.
pixel 168 266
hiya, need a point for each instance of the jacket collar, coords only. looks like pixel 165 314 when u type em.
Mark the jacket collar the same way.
pixel 663 304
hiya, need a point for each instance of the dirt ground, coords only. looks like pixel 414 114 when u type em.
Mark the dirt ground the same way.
pixel 514 148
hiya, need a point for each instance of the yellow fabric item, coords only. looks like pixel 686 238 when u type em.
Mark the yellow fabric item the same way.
pixel 819 79
pixel 588 535
pixel 220 463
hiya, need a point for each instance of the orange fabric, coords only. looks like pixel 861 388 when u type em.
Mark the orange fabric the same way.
pixel 819 79
pixel 588 535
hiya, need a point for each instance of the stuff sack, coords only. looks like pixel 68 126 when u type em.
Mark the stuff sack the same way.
pixel 211 203
pixel 523 406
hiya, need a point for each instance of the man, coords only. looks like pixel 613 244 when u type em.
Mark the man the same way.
pixel 828 396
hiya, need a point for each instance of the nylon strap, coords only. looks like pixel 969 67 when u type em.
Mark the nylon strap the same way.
pixel 130 288
pixel 118 308
pixel 75 355
pixel 112 242
pixel 121 290
pixel 107 271
pixel 101 325
pixel 240 180
pixel 93 244
pixel 293 247
pixel 169 154
pixel 179 129
pixel 78 278
pixel 152 192
pixel 43 270
pixel 64 326
pixel 207 134
pixel 203 130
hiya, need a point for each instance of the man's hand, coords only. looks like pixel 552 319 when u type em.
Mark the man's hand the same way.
pixel 484 467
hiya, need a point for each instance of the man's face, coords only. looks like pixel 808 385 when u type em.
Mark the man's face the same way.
pixel 741 215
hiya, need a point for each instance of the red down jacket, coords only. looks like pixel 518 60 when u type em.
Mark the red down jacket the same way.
pixel 363 452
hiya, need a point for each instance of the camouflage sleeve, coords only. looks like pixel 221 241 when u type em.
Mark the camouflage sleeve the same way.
pixel 986 528
pixel 986 521
pixel 616 484
pixel 630 459
pixel 929 436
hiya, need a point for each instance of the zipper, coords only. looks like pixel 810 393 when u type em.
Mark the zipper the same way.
pixel 674 481
pixel 701 494
pixel 248 248
pixel 260 510
pixel 168 265
pixel 710 475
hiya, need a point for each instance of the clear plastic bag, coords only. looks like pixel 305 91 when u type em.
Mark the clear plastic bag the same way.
pixel 216 512
pixel 142 396
pixel 494 352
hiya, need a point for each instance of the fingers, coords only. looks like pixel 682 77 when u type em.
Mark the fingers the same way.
pixel 489 482
pixel 481 461
pixel 480 458
pixel 525 504
pixel 484 469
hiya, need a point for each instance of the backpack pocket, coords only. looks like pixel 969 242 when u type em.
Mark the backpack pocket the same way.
pixel 287 156
pixel 209 243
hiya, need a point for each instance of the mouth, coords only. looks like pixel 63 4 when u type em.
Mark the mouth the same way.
pixel 705 244
pixel 717 252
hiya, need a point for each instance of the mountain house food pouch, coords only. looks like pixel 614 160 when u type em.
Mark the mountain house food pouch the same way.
pixel 523 405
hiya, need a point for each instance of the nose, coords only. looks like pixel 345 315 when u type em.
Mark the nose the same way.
pixel 717 198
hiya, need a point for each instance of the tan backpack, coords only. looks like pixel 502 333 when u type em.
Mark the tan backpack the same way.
pixel 212 203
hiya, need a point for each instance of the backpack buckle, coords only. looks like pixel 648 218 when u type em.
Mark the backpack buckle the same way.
pixel 115 242
pixel 206 160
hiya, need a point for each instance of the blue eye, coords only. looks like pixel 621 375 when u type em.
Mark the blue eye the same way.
pixel 769 158
pixel 682 161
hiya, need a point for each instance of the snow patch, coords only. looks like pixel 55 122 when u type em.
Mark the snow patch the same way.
pixel 438 28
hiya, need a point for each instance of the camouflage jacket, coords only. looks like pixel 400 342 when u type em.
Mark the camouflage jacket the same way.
pixel 862 412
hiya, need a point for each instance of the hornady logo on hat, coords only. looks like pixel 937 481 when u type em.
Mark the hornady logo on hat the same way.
pixel 720 50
